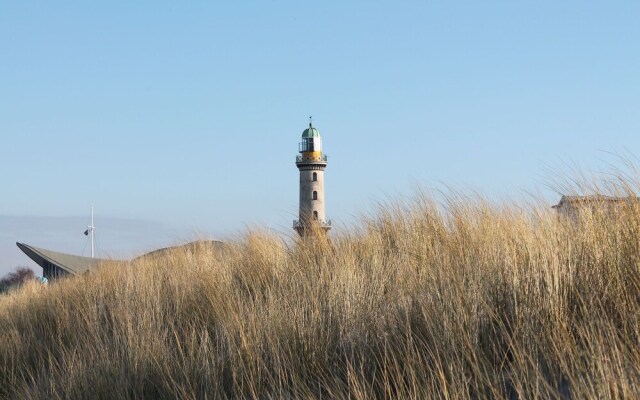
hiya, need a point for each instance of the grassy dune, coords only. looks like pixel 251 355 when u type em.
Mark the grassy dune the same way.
pixel 461 299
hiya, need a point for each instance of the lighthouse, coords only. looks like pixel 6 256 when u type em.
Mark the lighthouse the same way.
pixel 311 163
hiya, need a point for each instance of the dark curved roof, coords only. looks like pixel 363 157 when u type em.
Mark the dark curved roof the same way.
pixel 77 265
pixel 72 264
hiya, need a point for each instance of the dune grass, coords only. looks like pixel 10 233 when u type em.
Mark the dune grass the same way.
pixel 460 299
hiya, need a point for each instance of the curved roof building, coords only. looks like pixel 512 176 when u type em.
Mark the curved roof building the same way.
pixel 56 264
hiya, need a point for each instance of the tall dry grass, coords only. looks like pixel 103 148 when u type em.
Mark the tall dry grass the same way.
pixel 462 299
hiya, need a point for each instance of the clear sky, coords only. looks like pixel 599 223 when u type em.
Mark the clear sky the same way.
pixel 189 113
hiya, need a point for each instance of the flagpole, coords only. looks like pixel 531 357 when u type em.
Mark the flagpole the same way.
pixel 91 228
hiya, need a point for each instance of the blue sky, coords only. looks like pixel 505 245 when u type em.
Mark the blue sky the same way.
pixel 188 114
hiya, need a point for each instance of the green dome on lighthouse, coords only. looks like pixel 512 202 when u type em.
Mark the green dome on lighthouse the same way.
pixel 310 132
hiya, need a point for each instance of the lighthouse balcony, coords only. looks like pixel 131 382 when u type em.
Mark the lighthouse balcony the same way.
pixel 298 224
pixel 311 158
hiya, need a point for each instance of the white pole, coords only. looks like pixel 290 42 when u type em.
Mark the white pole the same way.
pixel 91 228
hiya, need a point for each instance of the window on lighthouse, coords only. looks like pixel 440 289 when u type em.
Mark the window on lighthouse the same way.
pixel 315 195
pixel 315 215
pixel 315 176
pixel 307 144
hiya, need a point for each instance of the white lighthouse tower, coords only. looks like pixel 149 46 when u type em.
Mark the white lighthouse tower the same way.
pixel 311 162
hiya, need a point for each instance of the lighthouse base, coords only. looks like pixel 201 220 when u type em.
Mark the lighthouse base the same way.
pixel 312 228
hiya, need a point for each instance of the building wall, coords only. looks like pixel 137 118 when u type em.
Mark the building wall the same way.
pixel 307 186
pixel 52 271
pixel 576 211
